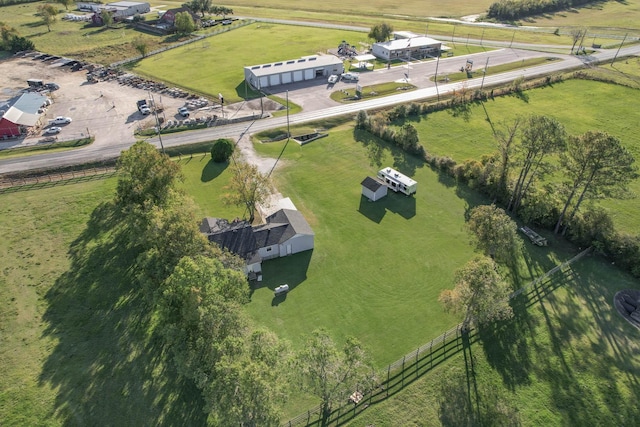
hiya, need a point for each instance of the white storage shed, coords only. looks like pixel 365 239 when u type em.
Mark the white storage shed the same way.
pixel 373 189
pixel 294 70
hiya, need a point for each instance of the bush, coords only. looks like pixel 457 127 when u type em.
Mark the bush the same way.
pixel 222 150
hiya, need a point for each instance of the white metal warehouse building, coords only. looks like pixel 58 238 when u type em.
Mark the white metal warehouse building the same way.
pixel 294 70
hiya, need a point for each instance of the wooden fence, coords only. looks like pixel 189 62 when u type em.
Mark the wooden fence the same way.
pixel 51 179
pixel 423 359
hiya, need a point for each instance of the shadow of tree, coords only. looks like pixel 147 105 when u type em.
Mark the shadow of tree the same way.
pixel 374 146
pixel 212 170
pixel 108 366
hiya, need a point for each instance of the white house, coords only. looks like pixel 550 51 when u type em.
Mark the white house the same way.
pixel 397 181
pixel 284 232
pixel 373 189
pixel 293 70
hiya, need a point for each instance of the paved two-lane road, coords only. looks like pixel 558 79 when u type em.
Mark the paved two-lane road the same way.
pixel 314 109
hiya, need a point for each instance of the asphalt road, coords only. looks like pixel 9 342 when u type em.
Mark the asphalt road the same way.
pixel 316 109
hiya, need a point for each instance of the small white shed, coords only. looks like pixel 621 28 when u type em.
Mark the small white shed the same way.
pixel 373 189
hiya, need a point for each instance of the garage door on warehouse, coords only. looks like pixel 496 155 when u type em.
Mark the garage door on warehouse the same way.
pixel 285 78
pixel 274 79
pixel 297 76
pixel 264 81
pixel 308 74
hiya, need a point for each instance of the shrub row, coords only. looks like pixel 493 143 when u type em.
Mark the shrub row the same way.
pixel 510 10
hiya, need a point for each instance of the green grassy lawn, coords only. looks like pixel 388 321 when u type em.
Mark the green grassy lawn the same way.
pixel 464 134
pixel 502 68
pixel 219 67
pixel 569 359
pixel 77 39
pixel 76 346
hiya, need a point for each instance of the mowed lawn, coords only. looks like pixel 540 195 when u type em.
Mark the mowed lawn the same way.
pixel 580 105
pixel 216 65
pixel 569 359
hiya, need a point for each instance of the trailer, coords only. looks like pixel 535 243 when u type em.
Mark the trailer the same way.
pixel 397 181
pixel 535 238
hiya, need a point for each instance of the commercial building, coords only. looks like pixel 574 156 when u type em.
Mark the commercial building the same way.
pixel 407 46
pixel 294 70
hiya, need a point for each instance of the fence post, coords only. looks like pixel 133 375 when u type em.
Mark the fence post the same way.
pixel 417 354
pixel 388 370
pixel 444 346
pixel 403 358
pixel 431 355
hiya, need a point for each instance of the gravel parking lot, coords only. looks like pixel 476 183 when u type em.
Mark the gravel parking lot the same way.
pixel 106 110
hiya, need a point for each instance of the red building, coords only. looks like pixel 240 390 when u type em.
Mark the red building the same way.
pixel 24 112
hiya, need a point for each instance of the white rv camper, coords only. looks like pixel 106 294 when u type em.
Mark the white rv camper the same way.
pixel 397 181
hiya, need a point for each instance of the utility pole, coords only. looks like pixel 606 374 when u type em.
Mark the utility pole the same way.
pixel 618 51
pixel 155 114
pixel 484 74
pixel 512 37
pixel 436 77
pixel 482 36
pixel 288 130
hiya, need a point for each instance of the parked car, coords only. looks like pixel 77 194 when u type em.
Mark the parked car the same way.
pixel 60 120
pixel 226 22
pixel 52 86
pixel 52 130
pixel 145 110
pixel 282 289
pixel 351 77
pixel 333 79
pixel 183 111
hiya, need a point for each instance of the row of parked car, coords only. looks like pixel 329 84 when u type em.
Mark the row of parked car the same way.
pixel 60 120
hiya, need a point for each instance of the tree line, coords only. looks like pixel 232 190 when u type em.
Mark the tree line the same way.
pixel 197 290
pixel 586 168
pixel 511 10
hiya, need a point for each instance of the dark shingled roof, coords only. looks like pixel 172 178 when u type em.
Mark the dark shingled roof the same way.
pixel 243 240
pixel 371 184
pixel 237 238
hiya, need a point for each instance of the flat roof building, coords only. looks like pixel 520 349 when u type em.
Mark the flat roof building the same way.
pixel 407 46
pixel 293 70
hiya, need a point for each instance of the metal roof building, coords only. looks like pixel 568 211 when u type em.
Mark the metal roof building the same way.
pixel 294 70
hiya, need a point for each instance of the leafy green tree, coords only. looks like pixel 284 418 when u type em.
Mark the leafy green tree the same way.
pixel 222 150
pixel 381 32
pixel 407 137
pixel 19 44
pixel 106 17
pixel 141 46
pixel 167 233
pixel 49 13
pixel 331 374
pixel 248 188
pixel 505 139
pixel 494 233
pixel 479 292
pixel 201 317
pixel 65 3
pixel 184 24
pixel 541 136
pixel 250 390
pixel 221 10
pixel 200 6
pixel 597 166
pixel 7 33
pixel 362 120
pixel 146 178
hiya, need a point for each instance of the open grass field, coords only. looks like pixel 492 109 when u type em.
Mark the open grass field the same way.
pixel 75 343
pixel 218 67
pixel 76 39
pixel 580 105
pixel 568 359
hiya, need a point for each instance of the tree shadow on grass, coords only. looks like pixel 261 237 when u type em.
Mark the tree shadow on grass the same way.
pixel 374 146
pixel 212 170
pixel 108 366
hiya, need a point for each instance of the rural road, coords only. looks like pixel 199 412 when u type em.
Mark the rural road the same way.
pixel 314 109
